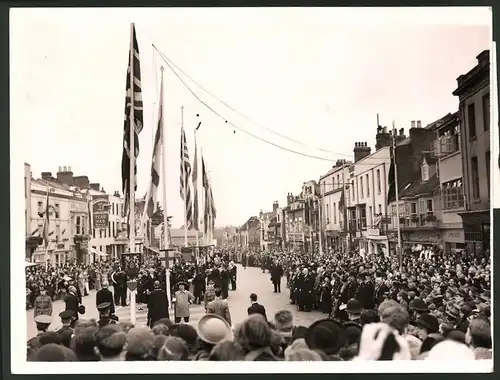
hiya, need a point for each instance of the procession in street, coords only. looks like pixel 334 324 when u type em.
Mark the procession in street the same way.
pixel 382 255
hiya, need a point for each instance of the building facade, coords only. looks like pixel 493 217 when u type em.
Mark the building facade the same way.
pixel 249 234
pixel 295 227
pixel 451 184
pixel 68 221
pixel 473 92
pixel 332 215
pixel 366 199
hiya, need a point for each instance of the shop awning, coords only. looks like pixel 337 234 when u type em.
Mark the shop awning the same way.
pixel 94 251
pixel 27 264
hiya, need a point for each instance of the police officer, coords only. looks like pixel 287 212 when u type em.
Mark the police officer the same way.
pixel 67 320
pixel 105 317
pixel 42 324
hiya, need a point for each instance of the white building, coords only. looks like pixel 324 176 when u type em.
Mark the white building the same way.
pixel 332 214
pixel 109 235
pixel 366 199
pixel 68 217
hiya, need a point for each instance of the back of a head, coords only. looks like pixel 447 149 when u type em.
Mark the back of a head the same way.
pixel 218 292
pixel 49 337
pixel 227 351
pixel 480 333
pixel 369 316
pixel 283 321
pixel 430 342
pixel 386 305
pixel 84 344
pixel 186 332
pixel 110 340
pixel 160 329
pixel 396 317
pixel 174 349
pixel 254 333
pixel 253 297
pixel 303 355
pixel 164 321
pixel 450 350
pixel 52 352
pixel 139 344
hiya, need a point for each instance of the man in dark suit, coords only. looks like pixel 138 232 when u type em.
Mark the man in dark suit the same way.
pixel 366 292
pixel 157 304
pixel 255 307
pixel 276 274
pixel 104 295
pixel 381 289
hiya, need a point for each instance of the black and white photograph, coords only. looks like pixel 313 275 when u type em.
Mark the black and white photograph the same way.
pixel 236 185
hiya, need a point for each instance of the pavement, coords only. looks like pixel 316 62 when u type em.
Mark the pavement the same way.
pixel 250 280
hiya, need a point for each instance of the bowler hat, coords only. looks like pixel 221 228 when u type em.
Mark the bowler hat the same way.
pixel 418 305
pixel 325 335
pixel 81 309
pixel 428 322
pixel 354 306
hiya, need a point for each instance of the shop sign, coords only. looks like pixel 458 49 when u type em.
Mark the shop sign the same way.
pixel 454 236
pixel 100 215
pixel 373 232
pixel 422 237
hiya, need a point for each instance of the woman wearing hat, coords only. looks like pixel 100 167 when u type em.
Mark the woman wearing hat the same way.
pixel 182 299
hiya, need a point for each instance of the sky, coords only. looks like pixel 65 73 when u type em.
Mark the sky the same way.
pixel 316 76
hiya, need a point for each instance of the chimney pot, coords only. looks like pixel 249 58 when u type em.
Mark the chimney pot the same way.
pixel 65 169
pixel 59 169
pixel 385 129
pixel 419 124
pixel 69 168
pixel 412 124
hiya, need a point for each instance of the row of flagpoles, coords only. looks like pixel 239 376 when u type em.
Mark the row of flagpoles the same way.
pixel 189 174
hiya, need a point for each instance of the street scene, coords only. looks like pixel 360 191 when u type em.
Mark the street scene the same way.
pixel 323 206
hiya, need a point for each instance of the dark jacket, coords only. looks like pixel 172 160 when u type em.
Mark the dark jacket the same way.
pixel 105 295
pixel 157 306
pixel 257 308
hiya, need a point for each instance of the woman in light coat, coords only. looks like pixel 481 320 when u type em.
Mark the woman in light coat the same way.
pixel 182 299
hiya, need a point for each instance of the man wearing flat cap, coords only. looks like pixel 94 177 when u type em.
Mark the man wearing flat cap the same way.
pixel 42 324
pixel 105 314
pixel 67 320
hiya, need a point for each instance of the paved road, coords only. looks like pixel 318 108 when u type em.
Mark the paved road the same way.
pixel 250 280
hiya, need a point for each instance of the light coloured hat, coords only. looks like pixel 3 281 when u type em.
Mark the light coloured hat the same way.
pixel 214 329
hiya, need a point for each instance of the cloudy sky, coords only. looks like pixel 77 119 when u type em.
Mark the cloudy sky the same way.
pixel 317 76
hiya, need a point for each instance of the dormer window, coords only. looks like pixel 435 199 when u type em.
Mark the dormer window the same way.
pixel 425 171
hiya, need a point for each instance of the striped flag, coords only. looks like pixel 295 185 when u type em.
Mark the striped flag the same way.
pixel 210 212
pixel 185 184
pixel 151 202
pixel 46 223
pixel 89 205
pixel 196 217
pixel 133 96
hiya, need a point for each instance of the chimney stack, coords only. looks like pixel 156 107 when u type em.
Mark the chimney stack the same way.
pixel 384 129
pixel 419 124
pixel 361 150
pixel 402 132
pixel 275 206
pixel 65 176
pixel 95 186
pixel 116 193
pixel 82 182
pixel 46 176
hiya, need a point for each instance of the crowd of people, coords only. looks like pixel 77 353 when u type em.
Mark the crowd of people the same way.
pixel 376 308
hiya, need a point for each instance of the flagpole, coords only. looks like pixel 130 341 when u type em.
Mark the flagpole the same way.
pixel 195 206
pixel 211 217
pixel 132 167
pixel 166 244
pixel 397 194
pixel 204 201
pixel 185 186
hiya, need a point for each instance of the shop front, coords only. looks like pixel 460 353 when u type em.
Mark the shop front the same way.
pixel 418 241
pixel 454 240
pixel 477 232
pixel 376 243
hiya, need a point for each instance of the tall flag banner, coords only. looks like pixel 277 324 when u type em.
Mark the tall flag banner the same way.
pixel 133 98
pixel 46 223
pixel 210 212
pixel 206 188
pixel 185 184
pixel 391 193
pixel 196 216
pixel 151 202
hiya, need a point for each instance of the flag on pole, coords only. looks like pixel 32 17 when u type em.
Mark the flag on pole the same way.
pixel 210 212
pixel 391 193
pixel 46 223
pixel 195 188
pixel 185 184
pixel 89 205
pixel 133 95
pixel 151 202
